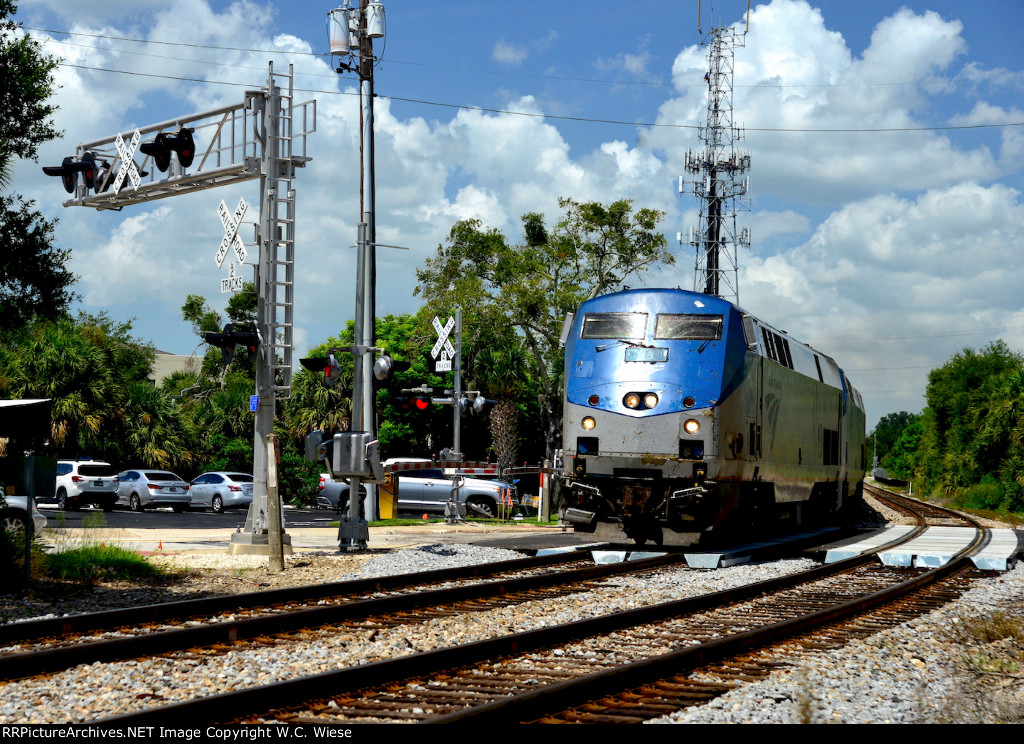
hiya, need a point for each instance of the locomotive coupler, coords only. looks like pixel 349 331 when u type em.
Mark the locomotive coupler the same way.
pixel 687 504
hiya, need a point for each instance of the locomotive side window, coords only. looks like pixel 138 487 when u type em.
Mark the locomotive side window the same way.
pixel 782 345
pixel 614 325
pixel 769 344
pixel 670 326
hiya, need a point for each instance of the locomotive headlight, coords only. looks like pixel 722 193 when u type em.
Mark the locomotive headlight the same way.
pixel 588 422
pixel 650 400
pixel 692 426
pixel 632 400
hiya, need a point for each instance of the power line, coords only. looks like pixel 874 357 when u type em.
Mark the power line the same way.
pixel 467 107
pixel 500 73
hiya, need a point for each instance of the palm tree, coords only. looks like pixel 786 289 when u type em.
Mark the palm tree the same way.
pixel 317 404
pixel 502 372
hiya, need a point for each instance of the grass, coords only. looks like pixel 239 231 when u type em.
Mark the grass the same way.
pixel 91 559
pixel 1001 515
pixel 95 562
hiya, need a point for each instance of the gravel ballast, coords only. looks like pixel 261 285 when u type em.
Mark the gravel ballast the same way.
pixel 916 673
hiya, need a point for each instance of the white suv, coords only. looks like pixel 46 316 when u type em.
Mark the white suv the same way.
pixel 86 482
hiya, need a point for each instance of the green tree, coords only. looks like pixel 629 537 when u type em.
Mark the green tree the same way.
pixel 959 395
pixel 26 119
pixel 903 456
pixel 503 375
pixel 86 367
pixel 34 279
pixel 887 431
pixel 528 288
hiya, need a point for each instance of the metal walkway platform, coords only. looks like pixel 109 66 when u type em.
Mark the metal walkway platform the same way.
pixel 935 547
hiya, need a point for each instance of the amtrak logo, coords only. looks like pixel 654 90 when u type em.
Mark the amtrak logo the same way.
pixel 771 413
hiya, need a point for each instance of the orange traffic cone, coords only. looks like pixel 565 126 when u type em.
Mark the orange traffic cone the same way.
pixel 160 546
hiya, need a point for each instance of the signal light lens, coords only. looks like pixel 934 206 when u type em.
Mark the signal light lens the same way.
pixel 593 400
pixel 422 403
pixel 692 426
pixel 689 401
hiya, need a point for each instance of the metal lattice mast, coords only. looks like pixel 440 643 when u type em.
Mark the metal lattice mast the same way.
pixel 719 173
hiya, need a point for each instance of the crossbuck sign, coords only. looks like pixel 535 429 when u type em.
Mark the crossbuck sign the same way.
pixel 443 347
pixel 231 240
pixel 127 155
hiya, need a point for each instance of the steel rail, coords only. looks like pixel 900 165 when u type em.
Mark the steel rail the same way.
pixel 575 692
pixel 12 633
pixel 14 666
pixel 240 704
pixel 243 704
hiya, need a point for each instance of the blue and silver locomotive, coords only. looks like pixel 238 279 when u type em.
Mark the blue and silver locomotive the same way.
pixel 686 417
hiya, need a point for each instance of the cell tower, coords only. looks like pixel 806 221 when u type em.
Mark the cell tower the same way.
pixel 720 182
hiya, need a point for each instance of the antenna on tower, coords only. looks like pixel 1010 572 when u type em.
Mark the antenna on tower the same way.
pixel 719 172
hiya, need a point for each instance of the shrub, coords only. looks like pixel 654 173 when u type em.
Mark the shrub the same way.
pixel 980 496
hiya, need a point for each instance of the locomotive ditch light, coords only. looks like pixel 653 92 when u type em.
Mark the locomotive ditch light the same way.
pixel 692 426
pixel 631 400
pixel 650 400
pixel 588 423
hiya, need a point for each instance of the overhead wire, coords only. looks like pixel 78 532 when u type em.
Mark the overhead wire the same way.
pixel 320 55
pixel 540 115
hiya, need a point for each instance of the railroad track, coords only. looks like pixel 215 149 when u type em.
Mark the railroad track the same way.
pixel 626 666
pixel 53 644
pixel 927 514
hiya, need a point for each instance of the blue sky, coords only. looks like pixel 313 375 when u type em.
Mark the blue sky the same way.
pixel 888 250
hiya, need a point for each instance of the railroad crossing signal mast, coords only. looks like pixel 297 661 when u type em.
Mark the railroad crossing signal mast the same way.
pixel 264 138
pixel 719 173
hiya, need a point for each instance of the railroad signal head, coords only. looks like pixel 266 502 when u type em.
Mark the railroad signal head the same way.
pixel 247 335
pixel 235 335
pixel 327 365
pixel 69 169
pixel 224 341
pixel 386 366
pixel 161 147
pixel 421 402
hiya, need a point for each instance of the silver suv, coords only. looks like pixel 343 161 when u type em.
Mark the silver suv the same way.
pixel 86 482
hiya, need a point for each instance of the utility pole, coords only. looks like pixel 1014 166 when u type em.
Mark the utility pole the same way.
pixel 719 173
pixel 346 25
